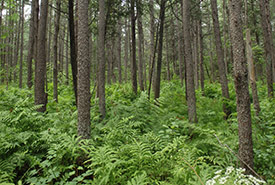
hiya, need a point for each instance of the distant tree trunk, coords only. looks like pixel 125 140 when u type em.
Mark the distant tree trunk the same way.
pixel 241 86
pixel 84 95
pixel 255 24
pixel 134 63
pixel 190 86
pixel 101 59
pixel 201 55
pixel 180 48
pixel 67 57
pixel 126 49
pixel 268 44
pixel 40 94
pixel 72 46
pixel 167 54
pixel 195 53
pixel 118 49
pixel 17 45
pixel 56 33
pixel 152 37
pixel 49 35
pixel 225 35
pixel 21 46
pixel 160 45
pixel 140 45
pixel 220 57
pixel 1 41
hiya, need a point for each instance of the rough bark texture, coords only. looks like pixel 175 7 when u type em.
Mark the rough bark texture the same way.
pixel 268 44
pixel 55 42
pixel 83 85
pixel 241 86
pixel 72 46
pixel 190 86
pixel 101 59
pixel 40 95
pixel 31 42
pixel 160 45
pixel 140 46
pixel 134 63
pixel 21 46
pixel 220 56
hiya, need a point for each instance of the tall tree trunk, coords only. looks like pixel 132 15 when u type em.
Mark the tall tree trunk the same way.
pixel 126 49
pixel 40 94
pixel 268 44
pixel 190 86
pixel 241 86
pixel 83 84
pixel 101 59
pixel 140 45
pixel 21 46
pixel 225 35
pixel 55 42
pixel 72 46
pixel 152 38
pixel 160 45
pixel 180 47
pixel 17 44
pixel 1 41
pixel 67 56
pixel 220 57
pixel 31 42
pixel 134 63
pixel 118 49
pixel 201 54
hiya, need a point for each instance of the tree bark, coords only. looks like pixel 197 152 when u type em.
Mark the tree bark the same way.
pixel 134 63
pixel 73 46
pixel 140 45
pixel 21 46
pixel 241 86
pixel 268 44
pixel 40 70
pixel 83 85
pixel 126 49
pixel 220 57
pixel 190 86
pixel 101 59
pixel 201 55
pixel 118 49
pixel 55 42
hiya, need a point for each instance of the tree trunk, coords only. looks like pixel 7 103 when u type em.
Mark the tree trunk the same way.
pixel 152 38
pixel 220 57
pixel 190 86
pixel 180 48
pixel 241 86
pixel 101 59
pixel 126 49
pixel 40 95
pixel 55 42
pixel 268 44
pixel 201 55
pixel 134 63
pixel 159 61
pixel 21 46
pixel 1 41
pixel 73 47
pixel 140 45
pixel 84 96
pixel 118 49
pixel 67 57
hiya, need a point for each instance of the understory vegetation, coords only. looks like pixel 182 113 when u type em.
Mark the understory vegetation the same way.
pixel 139 142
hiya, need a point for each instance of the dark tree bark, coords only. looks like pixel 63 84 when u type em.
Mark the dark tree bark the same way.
pixel 83 85
pixel 140 45
pixel 220 57
pixel 118 51
pixel 180 47
pixel 152 40
pixel 21 46
pixel 55 42
pixel 268 44
pixel 201 55
pixel 73 53
pixel 101 59
pixel 40 95
pixel 17 43
pixel 160 45
pixel 190 86
pixel 2 42
pixel 241 86
pixel 134 63
pixel 126 49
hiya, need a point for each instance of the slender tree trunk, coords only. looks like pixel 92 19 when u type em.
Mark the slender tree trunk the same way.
pixel 101 59
pixel 21 46
pixel 152 37
pixel 190 86
pixel 268 44
pixel 241 86
pixel 220 57
pixel 49 35
pixel 160 45
pixel 56 33
pixel 1 41
pixel 140 45
pixel 201 55
pixel 225 35
pixel 118 49
pixel 168 54
pixel 17 44
pixel 83 85
pixel 180 49
pixel 73 47
pixel 40 94
pixel 126 49
pixel 134 63
pixel 67 56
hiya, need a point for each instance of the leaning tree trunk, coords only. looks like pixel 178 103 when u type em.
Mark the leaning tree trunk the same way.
pixel 220 57
pixel 241 86
pixel 40 95
pixel 83 84
pixel 190 86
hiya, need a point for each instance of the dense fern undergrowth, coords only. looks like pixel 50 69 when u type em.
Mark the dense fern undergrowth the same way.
pixel 139 142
